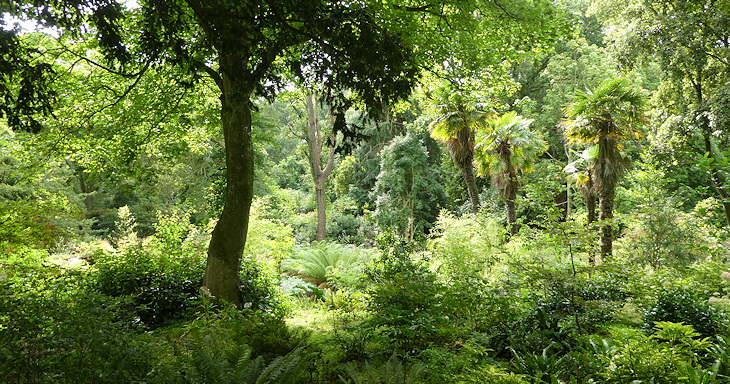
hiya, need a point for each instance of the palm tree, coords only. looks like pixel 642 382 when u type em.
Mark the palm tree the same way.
pixel 604 117
pixel 505 149
pixel 456 127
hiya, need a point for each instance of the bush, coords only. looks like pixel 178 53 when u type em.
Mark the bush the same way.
pixel 393 371
pixel 490 374
pixel 661 358
pixel 681 306
pixel 162 286
pixel 406 298
pixel 53 329
pixel 163 274
pixel 464 245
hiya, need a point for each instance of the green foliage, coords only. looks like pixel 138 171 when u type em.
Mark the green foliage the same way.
pixel 37 207
pixel 317 262
pixel 406 297
pixel 227 345
pixel 658 233
pixel 490 374
pixel 294 286
pixel 409 192
pixel 393 371
pixel 679 305
pixel 272 240
pixel 55 329
pixel 660 358
pixel 163 286
pixel 466 245
pixel 506 147
pixel 539 367
pixel 212 362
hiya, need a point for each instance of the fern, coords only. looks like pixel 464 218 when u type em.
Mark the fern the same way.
pixel 392 372
pixel 215 361
pixel 313 263
pixel 283 369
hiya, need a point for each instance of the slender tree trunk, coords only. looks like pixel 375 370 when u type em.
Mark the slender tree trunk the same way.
pixel 315 143
pixel 714 177
pixel 510 197
pixel 461 148
pixel 229 235
pixel 467 170
pixel 605 208
pixel 590 196
pixel 510 208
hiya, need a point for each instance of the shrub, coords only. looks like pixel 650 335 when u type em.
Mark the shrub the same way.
pixel 406 298
pixel 490 374
pixel 681 306
pixel 392 371
pixel 53 329
pixel 162 286
pixel 539 366
pixel 464 245
pixel 661 358
pixel 228 346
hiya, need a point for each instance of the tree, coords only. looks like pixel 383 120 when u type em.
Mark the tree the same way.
pixel 408 190
pixel 316 143
pixel 245 47
pixel 456 126
pixel 505 148
pixel 606 116
pixel 690 40
pixel 250 48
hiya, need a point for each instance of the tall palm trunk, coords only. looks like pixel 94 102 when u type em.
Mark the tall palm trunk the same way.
pixel 467 170
pixel 605 209
pixel 606 173
pixel 508 186
pixel 461 148
pixel 511 210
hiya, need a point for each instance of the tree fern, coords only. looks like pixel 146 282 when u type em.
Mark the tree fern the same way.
pixel 311 263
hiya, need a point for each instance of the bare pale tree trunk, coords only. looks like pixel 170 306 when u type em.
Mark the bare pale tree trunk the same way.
pixel 319 174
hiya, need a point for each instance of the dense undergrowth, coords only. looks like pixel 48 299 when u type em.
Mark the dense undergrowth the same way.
pixel 463 306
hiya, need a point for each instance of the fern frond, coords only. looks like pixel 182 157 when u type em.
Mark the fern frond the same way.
pixel 282 369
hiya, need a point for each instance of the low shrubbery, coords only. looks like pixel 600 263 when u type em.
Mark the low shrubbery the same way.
pixel 531 311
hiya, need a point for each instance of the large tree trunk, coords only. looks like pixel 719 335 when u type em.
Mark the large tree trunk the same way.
pixel 315 142
pixel 229 236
